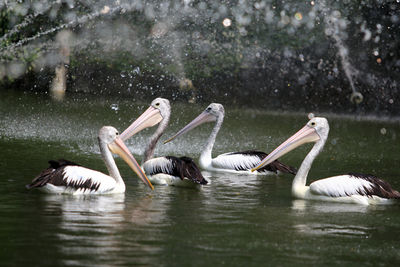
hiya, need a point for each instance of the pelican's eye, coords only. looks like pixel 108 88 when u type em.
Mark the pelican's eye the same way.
pixel 208 109
pixel 313 123
pixel 157 104
pixel 117 133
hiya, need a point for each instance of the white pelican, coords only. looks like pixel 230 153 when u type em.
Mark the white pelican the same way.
pixel 167 170
pixel 66 177
pixel 233 162
pixel 350 188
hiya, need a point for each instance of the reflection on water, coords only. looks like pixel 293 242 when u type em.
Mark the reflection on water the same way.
pixel 147 211
pixel 232 179
pixel 304 206
pixel 88 225
pixel 82 213
pixel 105 226
pixel 333 229
pixel 322 211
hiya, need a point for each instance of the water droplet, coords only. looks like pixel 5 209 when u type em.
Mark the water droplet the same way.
pixel 383 131
pixel 298 16
pixel 136 70
pixel 105 10
pixel 227 22
pixel 114 107
pixel 356 97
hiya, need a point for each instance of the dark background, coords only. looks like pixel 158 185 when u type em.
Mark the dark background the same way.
pixel 284 55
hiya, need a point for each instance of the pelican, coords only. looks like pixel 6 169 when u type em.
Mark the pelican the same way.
pixel 348 188
pixel 167 170
pixel 233 162
pixel 66 177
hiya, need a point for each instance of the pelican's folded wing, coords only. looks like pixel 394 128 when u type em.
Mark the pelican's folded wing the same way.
pixel 353 184
pixel 247 160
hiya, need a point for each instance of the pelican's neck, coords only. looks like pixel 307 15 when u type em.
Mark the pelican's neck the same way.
pixel 110 163
pixel 206 154
pixel 300 179
pixel 149 151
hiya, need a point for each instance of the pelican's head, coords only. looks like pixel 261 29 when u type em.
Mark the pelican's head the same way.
pixel 158 111
pixel 109 136
pixel 213 112
pixel 163 106
pixel 215 109
pixel 317 129
pixel 320 125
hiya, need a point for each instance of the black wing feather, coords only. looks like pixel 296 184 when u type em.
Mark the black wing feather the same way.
pixel 181 167
pixel 55 164
pixel 53 174
pixel 189 169
pixel 379 187
pixel 49 175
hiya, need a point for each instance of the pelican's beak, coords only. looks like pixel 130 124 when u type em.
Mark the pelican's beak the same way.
pixel 202 118
pixel 149 118
pixel 118 147
pixel 306 135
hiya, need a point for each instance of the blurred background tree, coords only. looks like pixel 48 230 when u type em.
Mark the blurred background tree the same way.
pixel 273 54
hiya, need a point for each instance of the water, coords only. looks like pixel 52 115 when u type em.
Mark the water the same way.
pixel 236 220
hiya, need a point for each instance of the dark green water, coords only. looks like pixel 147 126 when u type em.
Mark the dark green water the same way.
pixel 236 220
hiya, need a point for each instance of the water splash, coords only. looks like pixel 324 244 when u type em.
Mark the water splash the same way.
pixel 335 28
pixel 74 22
pixel 189 42
pixel 28 20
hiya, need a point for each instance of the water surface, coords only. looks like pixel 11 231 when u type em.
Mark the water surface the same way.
pixel 235 220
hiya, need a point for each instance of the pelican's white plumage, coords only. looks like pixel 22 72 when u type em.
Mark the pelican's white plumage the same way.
pixel 339 186
pixel 66 177
pixel 236 162
pixel 78 176
pixel 160 164
pixel 349 188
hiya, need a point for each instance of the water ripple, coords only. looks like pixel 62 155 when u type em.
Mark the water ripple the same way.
pixel 335 230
